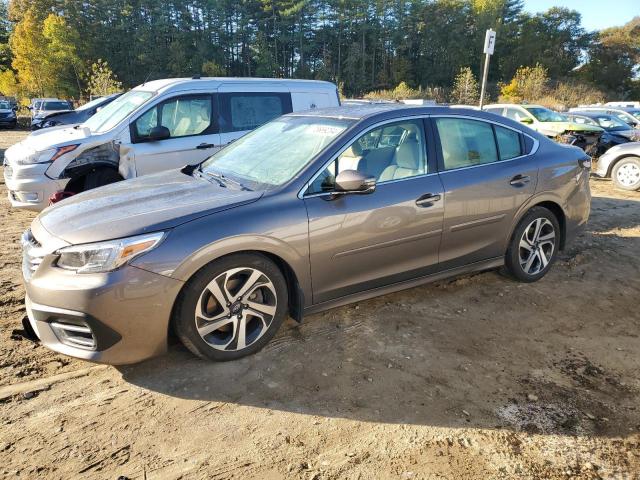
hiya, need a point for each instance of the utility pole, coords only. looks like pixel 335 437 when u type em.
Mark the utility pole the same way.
pixel 489 45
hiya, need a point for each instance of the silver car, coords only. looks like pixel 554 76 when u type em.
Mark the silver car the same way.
pixel 622 164
pixel 308 212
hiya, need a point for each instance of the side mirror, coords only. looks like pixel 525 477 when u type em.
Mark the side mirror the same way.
pixel 352 181
pixel 159 133
pixel 526 120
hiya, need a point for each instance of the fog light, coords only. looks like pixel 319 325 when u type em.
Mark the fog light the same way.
pixel 75 335
pixel 28 197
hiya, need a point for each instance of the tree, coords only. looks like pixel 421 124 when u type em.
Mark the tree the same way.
pixel 102 81
pixel 528 85
pixel 5 30
pixel 8 83
pixel 28 47
pixel 465 88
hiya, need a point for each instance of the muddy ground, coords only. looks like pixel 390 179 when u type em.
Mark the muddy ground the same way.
pixel 476 377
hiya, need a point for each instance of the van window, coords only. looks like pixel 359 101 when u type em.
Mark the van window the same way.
pixel 183 116
pixel 248 110
pixel 465 142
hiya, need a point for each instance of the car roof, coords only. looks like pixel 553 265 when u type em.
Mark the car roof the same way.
pixel 171 84
pixel 591 114
pixel 522 105
pixel 361 112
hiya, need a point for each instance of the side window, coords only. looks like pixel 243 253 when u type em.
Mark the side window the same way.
pixel 515 114
pixel 183 116
pixel 391 152
pixel 496 110
pixel 248 110
pixel 508 143
pixel 466 142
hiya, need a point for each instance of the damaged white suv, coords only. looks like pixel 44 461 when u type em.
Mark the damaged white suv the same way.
pixel 160 125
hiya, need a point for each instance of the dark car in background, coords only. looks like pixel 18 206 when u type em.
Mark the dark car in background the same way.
pixel 79 115
pixel 311 211
pixel 8 117
pixel 45 107
pixel 616 131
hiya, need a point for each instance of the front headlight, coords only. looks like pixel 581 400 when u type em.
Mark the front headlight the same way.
pixel 46 156
pixel 106 256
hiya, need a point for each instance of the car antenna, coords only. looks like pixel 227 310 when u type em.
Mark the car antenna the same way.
pixel 147 77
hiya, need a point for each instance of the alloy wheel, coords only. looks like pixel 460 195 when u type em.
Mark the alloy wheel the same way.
pixel 537 246
pixel 236 308
pixel 628 174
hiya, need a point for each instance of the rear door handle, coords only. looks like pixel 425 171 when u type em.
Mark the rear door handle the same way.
pixel 520 180
pixel 204 146
pixel 428 199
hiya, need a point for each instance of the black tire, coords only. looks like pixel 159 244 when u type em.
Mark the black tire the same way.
pixel 100 177
pixel 633 165
pixel 515 253
pixel 185 322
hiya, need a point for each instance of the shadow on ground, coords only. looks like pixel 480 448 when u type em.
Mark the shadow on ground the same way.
pixel 558 356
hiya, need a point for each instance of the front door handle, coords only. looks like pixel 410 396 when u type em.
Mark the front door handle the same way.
pixel 520 180
pixel 428 199
pixel 204 146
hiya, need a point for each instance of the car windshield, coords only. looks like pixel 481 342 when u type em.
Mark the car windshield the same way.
pixel 610 122
pixel 92 103
pixel 274 153
pixel 116 111
pixel 55 106
pixel 545 115
pixel 5 106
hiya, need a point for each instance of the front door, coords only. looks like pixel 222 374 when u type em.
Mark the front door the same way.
pixel 486 179
pixel 363 241
pixel 193 134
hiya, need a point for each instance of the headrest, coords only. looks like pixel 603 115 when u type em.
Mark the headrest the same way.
pixel 355 150
pixel 408 155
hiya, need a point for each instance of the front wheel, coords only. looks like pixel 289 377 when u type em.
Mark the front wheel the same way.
pixel 626 173
pixel 534 245
pixel 232 307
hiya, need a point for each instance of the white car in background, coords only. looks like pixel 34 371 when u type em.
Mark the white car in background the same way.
pixel 159 125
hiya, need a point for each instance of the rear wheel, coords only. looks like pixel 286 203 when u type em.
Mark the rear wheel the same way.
pixel 626 173
pixel 232 307
pixel 534 245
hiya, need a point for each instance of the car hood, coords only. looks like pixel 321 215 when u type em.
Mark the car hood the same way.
pixel 44 113
pixel 5 110
pixel 631 134
pixel 145 204
pixel 41 140
pixel 560 127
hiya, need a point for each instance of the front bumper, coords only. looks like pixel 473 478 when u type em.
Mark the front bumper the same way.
pixel 28 186
pixel 119 317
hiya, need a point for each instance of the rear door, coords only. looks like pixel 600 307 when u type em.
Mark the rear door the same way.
pixel 193 133
pixel 487 177
pixel 243 110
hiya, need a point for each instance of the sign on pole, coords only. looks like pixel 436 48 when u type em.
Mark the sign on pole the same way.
pixel 489 42
pixel 489 45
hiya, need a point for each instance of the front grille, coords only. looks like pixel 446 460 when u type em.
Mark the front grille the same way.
pixel 4 115
pixel 32 254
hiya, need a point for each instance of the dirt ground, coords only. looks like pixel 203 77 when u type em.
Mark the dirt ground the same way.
pixel 477 377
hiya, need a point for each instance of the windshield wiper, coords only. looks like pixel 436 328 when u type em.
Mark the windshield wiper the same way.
pixel 223 180
pixel 217 177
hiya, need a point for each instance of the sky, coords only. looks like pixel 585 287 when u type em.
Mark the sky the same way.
pixel 596 14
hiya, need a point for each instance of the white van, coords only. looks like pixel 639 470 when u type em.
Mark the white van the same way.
pixel 158 125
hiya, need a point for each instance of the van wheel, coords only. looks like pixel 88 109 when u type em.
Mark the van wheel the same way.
pixel 534 245
pixel 626 173
pixel 232 307
pixel 100 177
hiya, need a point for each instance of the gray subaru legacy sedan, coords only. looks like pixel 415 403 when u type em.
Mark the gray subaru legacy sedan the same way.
pixel 310 211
